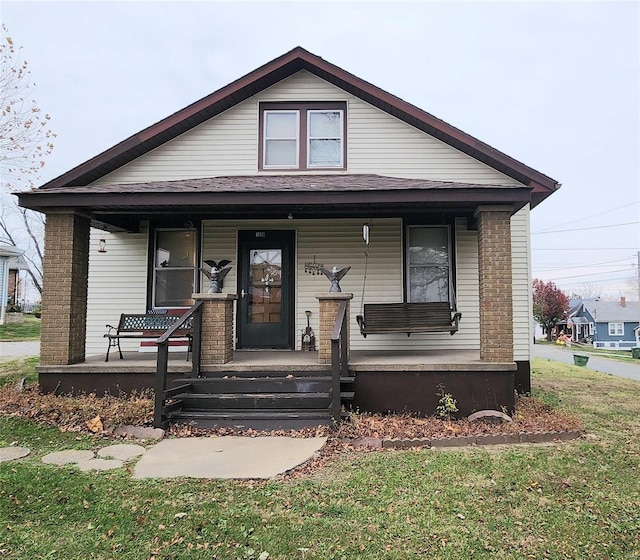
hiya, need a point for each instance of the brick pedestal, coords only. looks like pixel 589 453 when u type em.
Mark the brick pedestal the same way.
pixel 217 328
pixel 496 299
pixel 329 304
pixel 64 293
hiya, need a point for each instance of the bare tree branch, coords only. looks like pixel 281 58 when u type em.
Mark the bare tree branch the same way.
pixel 25 141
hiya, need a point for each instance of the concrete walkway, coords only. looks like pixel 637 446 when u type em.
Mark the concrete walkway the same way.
pixel 221 457
pixel 596 363
pixel 226 457
pixel 13 350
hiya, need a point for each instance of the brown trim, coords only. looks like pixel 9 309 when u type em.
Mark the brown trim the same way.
pixel 273 72
pixel 302 107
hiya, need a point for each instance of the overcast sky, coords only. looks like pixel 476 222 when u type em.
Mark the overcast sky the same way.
pixel 555 85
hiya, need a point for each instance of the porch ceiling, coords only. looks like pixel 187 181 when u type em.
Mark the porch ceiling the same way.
pixel 122 206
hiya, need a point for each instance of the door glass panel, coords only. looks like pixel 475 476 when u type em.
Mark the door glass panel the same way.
pixel 265 286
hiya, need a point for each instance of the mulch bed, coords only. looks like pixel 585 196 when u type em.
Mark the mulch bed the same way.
pixel 363 431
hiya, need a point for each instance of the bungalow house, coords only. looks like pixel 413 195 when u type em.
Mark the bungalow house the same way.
pixel 607 324
pixel 292 168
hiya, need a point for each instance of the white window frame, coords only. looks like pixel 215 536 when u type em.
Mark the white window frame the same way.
pixel 157 267
pixel 408 266
pixel 340 164
pixel 265 139
pixel 616 329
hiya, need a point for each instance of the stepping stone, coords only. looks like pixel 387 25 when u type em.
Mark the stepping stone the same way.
pixel 122 452
pixel 99 465
pixel 65 457
pixel 139 432
pixel 13 453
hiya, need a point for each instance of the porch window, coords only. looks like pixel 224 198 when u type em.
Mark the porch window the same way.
pixel 174 268
pixel 616 329
pixel 302 136
pixel 428 264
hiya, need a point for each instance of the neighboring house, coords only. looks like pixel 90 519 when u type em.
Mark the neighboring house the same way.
pixel 282 170
pixel 607 324
pixel 11 262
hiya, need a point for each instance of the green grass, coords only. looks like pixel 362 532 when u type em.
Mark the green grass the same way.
pixel 11 371
pixel 27 330
pixel 574 500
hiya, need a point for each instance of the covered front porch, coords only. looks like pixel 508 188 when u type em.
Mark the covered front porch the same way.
pixel 381 381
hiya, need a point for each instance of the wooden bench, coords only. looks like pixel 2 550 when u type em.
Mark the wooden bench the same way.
pixel 408 318
pixel 149 325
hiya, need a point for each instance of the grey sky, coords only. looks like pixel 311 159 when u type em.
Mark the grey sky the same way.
pixel 555 85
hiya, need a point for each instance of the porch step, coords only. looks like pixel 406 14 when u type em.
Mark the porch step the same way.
pixel 254 419
pixel 265 374
pixel 306 384
pixel 280 400
pixel 253 401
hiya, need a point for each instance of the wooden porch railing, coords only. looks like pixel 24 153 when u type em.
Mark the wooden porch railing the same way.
pixel 339 358
pixel 161 409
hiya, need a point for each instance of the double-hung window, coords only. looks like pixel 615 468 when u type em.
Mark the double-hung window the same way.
pixel 302 136
pixel 616 329
pixel 428 264
pixel 174 268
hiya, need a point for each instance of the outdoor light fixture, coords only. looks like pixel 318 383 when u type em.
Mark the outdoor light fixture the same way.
pixel 290 216
pixel 102 246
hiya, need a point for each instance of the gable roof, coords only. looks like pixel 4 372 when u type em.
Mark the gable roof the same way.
pixel 612 311
pixel 272 73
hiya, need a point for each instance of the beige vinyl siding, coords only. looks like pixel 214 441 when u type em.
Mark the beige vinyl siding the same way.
pixel 521 277
pixel 376 143
pixel 117 284
pixel 340 244
pixel 468 286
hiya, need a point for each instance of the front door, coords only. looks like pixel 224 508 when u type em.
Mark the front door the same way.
pixel 265 287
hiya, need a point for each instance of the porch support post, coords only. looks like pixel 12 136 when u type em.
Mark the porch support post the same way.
pixel 329 304
pixel 217 328
pixel 496 300
pixel 65 269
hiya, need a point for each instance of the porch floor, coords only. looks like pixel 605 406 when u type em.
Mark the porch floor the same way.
pixel 266 360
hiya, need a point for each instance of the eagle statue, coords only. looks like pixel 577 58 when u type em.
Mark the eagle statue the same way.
pixel 217 274
pixel 335 276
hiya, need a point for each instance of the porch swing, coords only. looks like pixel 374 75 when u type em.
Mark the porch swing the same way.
pixel 417 317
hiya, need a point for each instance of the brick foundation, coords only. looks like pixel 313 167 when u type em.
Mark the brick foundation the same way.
pixel 64 294
pixel 217 328
pixel 496 300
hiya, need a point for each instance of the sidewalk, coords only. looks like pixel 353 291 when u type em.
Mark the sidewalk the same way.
pixel 13 350
pixel 596 363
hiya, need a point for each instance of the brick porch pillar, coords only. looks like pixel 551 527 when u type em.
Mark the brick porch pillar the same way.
pixel 217 328
pixel 65 269
pixel 329 304
pixel 496 300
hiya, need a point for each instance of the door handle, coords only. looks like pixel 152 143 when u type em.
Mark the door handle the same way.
pixel 243 293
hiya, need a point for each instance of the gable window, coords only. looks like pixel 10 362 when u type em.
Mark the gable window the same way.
pixel 428 264
pixel 616 329
pixel 174 268
pixel 302 136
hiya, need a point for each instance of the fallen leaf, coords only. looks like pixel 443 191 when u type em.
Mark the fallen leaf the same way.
pixel 95 425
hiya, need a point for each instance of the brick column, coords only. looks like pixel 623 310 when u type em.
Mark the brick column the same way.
pixel 329 304
pixel 65 269
pixel 496 300
pixel 217 328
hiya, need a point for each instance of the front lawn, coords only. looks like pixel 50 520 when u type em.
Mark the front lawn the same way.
pixel 29 329
pixel 573 500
